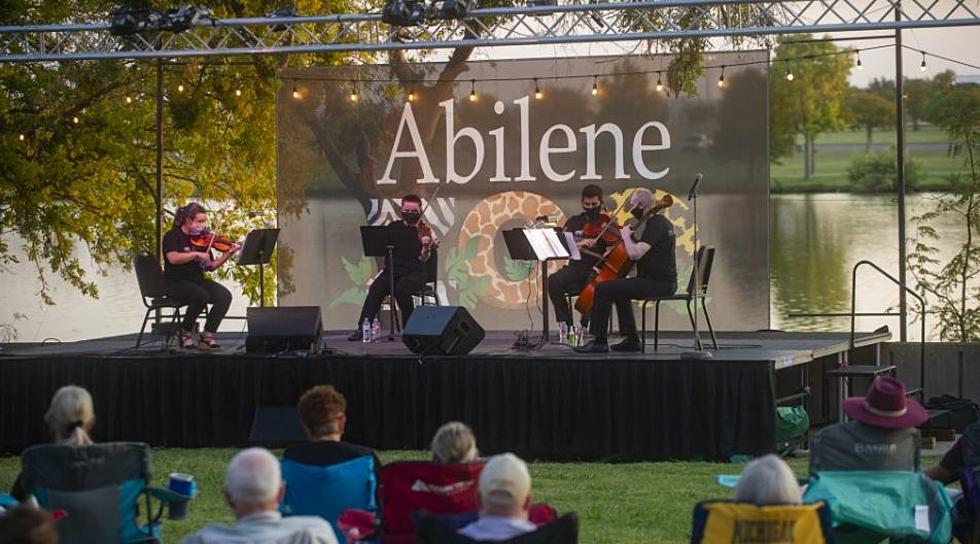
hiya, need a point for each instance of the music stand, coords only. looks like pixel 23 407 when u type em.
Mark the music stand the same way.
pixel 520 248
pixel 257 250
pixel 387 241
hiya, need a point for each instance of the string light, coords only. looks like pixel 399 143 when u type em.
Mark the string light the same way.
pixel 660 83
pixel 789 74
pixel 21 137
pixel 859 65
pixel 238 92
pixel 129 99
pixel 537 90
pixel 721 78
pixel 595 85
pixel 411 95
pixel 353 92
pixel 75 120
pixel 296 94
pixel 922 67
pixel 472 90
pixel 180 88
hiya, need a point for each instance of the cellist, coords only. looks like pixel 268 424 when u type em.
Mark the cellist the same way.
pixel 651 246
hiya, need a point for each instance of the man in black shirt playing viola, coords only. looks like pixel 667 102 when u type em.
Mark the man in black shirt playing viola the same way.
pixel 656 275
pixel 576 274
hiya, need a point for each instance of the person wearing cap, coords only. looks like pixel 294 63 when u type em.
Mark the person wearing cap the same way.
pixel 881 435
pixel 504 499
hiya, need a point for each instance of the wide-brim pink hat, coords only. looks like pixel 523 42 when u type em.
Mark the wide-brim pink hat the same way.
pixel 886 406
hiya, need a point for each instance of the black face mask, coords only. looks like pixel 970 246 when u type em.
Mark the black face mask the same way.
pixel 592 214
pixel 637 213
pixel 411 217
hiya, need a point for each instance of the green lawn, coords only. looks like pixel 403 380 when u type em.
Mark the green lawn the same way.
pixel 925 134
pixel 830 174
pixel 628 502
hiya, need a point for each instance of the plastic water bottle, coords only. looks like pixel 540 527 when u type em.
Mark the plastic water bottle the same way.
pixel 366 330
pixel 562 332
pixel 577 336
pixel 376 330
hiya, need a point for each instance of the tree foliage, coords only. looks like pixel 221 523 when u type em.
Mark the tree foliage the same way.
pixel 951 285
pixel 812 102
pixel 877 172
pixel 869 110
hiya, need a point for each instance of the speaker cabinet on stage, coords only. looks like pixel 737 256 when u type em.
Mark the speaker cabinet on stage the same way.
pixel 286 328
pixel 442 330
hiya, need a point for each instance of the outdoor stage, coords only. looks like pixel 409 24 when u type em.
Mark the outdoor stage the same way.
pixel 547 403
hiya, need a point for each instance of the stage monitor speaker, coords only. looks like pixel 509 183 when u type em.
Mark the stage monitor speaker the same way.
pixel 442 330
pixel 286 328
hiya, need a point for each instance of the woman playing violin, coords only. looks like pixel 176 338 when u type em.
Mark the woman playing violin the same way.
pixel 187 251
pixel 576 274
pixel 651 246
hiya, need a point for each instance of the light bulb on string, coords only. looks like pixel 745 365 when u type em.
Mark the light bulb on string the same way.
pixel 660 83
pixel 411 95
pixel 129 99
pixel 75 120
pixel 353 93
pixel 789 74
pixel 721 78
pixel 238 92
pixel 922 66
pixel 180 87
pixel 595 85
pixel 472 90
pixel 296 94
pixel 21 137
pixel 859 64
pixel 537 90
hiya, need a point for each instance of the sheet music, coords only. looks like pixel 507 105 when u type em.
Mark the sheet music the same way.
pixel 573 251
pixel 558 250
pixel 545 244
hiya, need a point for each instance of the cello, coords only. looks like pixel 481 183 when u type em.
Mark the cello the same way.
pixel 616 263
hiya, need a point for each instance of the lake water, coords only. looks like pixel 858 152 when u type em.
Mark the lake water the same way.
pixel 815 240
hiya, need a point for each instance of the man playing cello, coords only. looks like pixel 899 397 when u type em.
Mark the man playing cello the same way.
pixel 650 245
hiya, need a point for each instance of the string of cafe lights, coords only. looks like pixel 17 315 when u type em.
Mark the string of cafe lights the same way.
pixel 413 84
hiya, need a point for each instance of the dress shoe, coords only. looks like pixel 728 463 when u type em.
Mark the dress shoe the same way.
pixel 628 344
pixel 356 336
pixel 593 347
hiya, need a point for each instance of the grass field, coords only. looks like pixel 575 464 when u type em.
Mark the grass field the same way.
pixel 831 166
pixel 616 503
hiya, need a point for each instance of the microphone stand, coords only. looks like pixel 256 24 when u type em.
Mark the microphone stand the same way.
pixel 699 352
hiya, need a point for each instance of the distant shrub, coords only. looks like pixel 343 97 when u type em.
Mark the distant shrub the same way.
pixel 876 172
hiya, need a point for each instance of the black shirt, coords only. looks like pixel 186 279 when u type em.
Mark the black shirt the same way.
pixel 177 240
pixel 324 453
pixel 407 258
pixel 574 225
pixel 659 263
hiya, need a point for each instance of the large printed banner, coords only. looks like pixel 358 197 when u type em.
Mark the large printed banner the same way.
pixel 492 145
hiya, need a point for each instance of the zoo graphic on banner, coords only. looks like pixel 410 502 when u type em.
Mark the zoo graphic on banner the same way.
pixel 508 157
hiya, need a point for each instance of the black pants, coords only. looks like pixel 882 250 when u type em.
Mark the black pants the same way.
pixel 570 279
pixel 406 284
pixel 197 296
pixel 622 293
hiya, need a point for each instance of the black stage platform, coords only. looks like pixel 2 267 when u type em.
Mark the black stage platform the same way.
pixel 546 403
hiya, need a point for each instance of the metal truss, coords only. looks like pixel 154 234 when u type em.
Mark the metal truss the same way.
pixel 527 25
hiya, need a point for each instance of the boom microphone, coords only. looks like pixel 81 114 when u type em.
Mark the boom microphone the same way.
pixel 694 188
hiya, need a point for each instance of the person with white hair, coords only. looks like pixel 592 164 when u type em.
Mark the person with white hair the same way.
pixel 768 480
pixel 649 244
pixel 504 499
pixel 454 443
pixel 253 490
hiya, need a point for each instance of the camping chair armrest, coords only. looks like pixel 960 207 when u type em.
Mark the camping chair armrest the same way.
pixel 359 525
pixel 165 495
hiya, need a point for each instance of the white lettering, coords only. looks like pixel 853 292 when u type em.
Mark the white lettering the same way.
pixel 408 119
pixel 522 104
pixel 546 150
pixel 590 136
pixel 467 132
pixel 639 147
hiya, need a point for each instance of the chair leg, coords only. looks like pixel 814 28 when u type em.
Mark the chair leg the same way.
pixel 690 315
pixel 146 317
pixel 714 340
pixel 643 327
pixel 656 326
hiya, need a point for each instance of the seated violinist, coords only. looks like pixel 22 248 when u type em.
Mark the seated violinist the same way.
pixel 649 243
pixel 410 272
pixel 576 274
pixel 187 251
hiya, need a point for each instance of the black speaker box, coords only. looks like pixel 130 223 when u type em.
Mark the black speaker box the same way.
pixel 442 330
pixel 286 328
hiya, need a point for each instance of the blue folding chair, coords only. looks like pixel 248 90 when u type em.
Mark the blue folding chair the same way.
pixel 327 491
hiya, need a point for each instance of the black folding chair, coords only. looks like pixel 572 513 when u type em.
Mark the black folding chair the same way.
pixel 703 262
pixel 149 274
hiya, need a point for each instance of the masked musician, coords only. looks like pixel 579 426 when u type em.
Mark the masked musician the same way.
pixel 410 272
pixel 650 246
pixel 186 260
pixel 576 274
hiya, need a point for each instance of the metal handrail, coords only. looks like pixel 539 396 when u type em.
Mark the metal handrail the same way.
pixel 922 305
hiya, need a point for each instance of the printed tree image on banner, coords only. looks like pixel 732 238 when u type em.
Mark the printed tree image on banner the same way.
pixel 495 145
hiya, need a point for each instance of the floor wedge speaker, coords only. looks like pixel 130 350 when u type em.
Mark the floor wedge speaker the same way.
pixel 286 328
pixel 442 330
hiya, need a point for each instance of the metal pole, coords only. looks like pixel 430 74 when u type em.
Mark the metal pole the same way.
pixel 900 173
pixel 158 196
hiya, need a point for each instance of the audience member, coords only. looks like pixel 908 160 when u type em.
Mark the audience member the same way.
pixel 454 443
pixel 881 435
pixel 964 455
pixel 25 524
pixel 253 490
pixel 504 498
pixel 768 480
pixel 323 413
pixel 70 418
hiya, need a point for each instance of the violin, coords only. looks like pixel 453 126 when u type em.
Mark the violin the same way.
pixel 599 229
pixel 427 239
pixel 208 240
pixel 616 263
